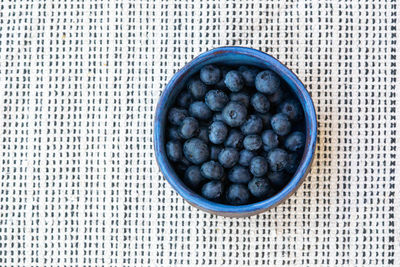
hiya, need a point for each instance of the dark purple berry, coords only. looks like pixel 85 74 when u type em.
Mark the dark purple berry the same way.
pixel 239 174
pixel 188 128
pixel 277 159
pixel 217 132
pixel 200 110
pixel 260 188
pixel 210 74
pixel 193 177
pixel 212 190
pixel 234 114
pixel 280 124
pixel 267 82
pixel 234 81
pixel 252 142
pixel 212 170
pixel 270 140
pixel 228 157
pixel 177 115
pixel 258 166
pixel 196 151
pixel 253 125
pixel 237 194
pixel 292 109
pixel 197 88
pixel 295 141
pixel 216 100
pixel 260 103
pixel 174 150
pixel 234 139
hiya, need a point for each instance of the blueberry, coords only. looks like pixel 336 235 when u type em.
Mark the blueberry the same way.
pixel 295 141
pixel 200 111
pixel 240 97
pixel 217 117
pixel 267 82
pixel 228 157
pixel 292 109
pixel 217 132
pixel 212 170
pixel 234 114
pixel 252 142
pixel 197 88
pixel 212 190
pixel 234 81
pixel 249 75
pixel 276 97
pixel 216 100
pixel 196 151
pixel 174 150
pixel 292 163
pixel 258 166
pixel 184 99
pixel 177 115
pixel 280 124
pixel 237 194
pixel 203 134
pixel 210 74
pixel 266 118
pixel 277 159
pixel 278 179
pixel 239 174
pixel 235 139
pixel 214 152
pixel 245 157
pixel 260 188
pixel 173 133
pixel 253 125
pixel 189 128
pixel 270 140
pixel 260 103
pixel 193 177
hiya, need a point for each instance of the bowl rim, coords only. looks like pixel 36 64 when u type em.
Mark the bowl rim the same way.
pixel 305 163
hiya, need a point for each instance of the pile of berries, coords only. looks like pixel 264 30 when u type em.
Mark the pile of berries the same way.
pixel 235 135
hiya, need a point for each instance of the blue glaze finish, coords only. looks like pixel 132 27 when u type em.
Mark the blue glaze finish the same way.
pixel 233 56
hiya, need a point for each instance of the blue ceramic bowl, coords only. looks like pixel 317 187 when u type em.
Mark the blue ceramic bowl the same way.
pixel 233 56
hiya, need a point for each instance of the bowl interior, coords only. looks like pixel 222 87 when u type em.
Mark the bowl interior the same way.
pixel 233 56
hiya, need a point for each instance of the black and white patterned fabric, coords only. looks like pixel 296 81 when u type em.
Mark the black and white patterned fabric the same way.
pixel 79 83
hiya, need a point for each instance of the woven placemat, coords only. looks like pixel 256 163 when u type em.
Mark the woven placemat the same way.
pixel 79 182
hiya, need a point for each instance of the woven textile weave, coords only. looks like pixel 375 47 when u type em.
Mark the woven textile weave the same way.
pixel 79 82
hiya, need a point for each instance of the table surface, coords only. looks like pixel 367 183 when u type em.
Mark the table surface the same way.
pixel 79 182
